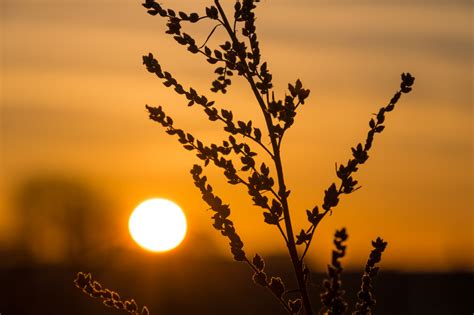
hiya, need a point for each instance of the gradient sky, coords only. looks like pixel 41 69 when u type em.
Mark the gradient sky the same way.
pixel 73 92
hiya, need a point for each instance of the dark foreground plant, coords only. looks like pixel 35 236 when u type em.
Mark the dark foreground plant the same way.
pixel 235 156
pixel 109 298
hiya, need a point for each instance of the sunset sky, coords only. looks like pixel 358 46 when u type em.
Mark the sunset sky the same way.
pixel 73 95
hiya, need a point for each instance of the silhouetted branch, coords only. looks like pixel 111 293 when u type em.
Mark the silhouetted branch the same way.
pixel 275 285
pixel 257 183
pixel 332 297
pixel 365 298
pixel 360 156
pixel 223 224
pixel 109 298
pixel 209 36
pixel 226 116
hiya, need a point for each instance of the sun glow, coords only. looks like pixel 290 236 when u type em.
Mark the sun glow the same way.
pixel 157 225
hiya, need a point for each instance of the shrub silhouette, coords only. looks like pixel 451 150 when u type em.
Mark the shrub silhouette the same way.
pixel 265 183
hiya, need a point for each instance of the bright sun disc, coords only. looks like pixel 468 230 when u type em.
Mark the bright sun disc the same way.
pixel 157 225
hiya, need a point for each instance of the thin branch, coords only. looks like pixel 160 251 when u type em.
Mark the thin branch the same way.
pixel 209 36
pixel 282 302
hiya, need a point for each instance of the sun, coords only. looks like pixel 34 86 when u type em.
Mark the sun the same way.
pixel 157 225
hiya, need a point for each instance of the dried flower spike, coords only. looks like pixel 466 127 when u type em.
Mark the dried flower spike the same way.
pixel 109 298
pixel 333 296
pixel 365 297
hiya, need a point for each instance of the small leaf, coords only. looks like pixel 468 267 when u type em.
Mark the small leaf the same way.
pixel 302 237
pixel 372 123
pixel 258 134
pixel 276 208
pixel 260 278
pixel 270 218
pixel 298 85
pixel 313 216
pixel 212 12
pixel 292 90
pixel 131 306
pixel 258 262
pixel 218 54
pixel 295 305
pixel 115 296
pixel 193 17
pixel 277 286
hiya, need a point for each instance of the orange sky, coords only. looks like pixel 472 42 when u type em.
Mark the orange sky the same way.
pixel 73 92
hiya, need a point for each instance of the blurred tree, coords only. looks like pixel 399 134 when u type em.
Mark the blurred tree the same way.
pixel 59 220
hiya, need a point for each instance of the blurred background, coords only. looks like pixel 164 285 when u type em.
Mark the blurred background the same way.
pixel 78 153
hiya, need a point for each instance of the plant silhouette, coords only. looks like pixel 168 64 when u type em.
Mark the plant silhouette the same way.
pixel 264 180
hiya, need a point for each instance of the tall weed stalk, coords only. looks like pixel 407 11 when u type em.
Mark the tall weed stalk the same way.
pixel 263 178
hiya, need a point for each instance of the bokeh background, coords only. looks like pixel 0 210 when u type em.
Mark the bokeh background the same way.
pixel 78 152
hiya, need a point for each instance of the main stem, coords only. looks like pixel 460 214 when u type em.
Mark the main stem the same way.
pixel 297 264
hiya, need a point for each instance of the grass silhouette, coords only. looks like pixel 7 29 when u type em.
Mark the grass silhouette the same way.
pixel 264 181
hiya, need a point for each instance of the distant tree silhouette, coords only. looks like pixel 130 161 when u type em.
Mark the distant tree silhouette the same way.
pixel 58 217
pixel 264 180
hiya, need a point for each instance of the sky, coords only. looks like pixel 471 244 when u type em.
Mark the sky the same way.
pixel 73 95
